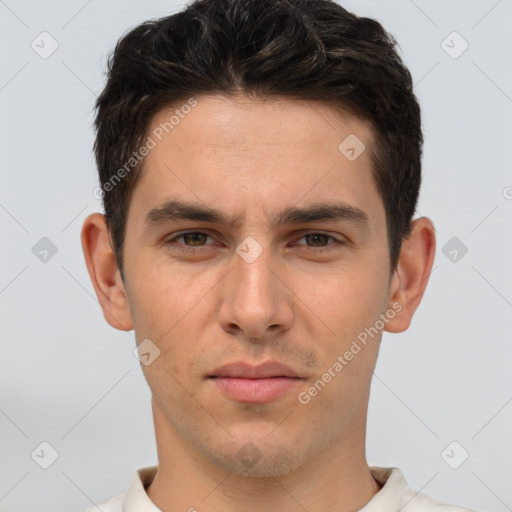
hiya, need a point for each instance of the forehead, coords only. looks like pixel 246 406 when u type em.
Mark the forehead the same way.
pixel 246 155
pixel 239 121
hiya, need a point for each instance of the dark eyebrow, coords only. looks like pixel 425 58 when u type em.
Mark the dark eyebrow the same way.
pixel 175 210
pixel 322 211
pixel 181 210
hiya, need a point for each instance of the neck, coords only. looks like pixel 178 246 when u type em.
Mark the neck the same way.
pixel 339 480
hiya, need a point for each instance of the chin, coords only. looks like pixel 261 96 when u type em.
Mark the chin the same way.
pixel 257 458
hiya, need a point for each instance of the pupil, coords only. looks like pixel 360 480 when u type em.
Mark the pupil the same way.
pixel 194 235
pixel 317 237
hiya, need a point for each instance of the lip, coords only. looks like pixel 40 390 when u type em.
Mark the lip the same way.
pixel 246 383
pixel 245 370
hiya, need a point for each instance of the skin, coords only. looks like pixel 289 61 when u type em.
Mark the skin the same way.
pixel 301 302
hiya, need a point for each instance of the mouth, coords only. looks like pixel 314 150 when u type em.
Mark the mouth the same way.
pixel 246 383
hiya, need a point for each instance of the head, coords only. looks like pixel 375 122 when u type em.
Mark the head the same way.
pixel 309 50
pixel 259 125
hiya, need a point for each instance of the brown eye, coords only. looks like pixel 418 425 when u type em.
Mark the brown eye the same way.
pixel 191 238
pixel 317 238
pixel 320 241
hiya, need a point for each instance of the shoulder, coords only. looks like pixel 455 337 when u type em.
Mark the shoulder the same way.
pixel 114 504
pixel 135 497
pixel 397 495
pixel 414 502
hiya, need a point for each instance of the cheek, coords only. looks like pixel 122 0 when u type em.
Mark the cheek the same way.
pixel 164 293
pixel 344 301
pixel 344 306
pixel 169 307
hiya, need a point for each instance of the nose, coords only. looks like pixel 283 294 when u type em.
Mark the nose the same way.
pixel 256 301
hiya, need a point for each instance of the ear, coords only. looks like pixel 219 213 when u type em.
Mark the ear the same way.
pixel 412 273
pixel 104 273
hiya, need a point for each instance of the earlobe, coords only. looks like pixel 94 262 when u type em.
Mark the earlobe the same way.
pixel 411 276
pixel 104 273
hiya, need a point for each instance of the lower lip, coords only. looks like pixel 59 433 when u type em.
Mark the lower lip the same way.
pixel 255 390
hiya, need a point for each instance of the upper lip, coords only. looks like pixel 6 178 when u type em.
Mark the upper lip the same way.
pixel 245 370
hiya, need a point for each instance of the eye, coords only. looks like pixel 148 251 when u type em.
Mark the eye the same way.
pixel 198 239
pixel 318 239
pixel 194 237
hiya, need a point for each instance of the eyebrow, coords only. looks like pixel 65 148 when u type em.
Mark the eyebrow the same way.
pixel 175 210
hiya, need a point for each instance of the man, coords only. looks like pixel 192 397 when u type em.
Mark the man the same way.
pixel 260 164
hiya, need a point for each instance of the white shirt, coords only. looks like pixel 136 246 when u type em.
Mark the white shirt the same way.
pixel 394 496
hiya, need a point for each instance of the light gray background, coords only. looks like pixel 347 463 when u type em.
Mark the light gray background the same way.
pixel 68 378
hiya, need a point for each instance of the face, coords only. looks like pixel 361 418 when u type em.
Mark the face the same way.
pixel 256 282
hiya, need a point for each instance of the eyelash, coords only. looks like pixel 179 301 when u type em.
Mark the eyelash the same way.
pixel 189 249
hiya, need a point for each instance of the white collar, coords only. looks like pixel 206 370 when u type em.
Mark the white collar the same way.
pixel 390 498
